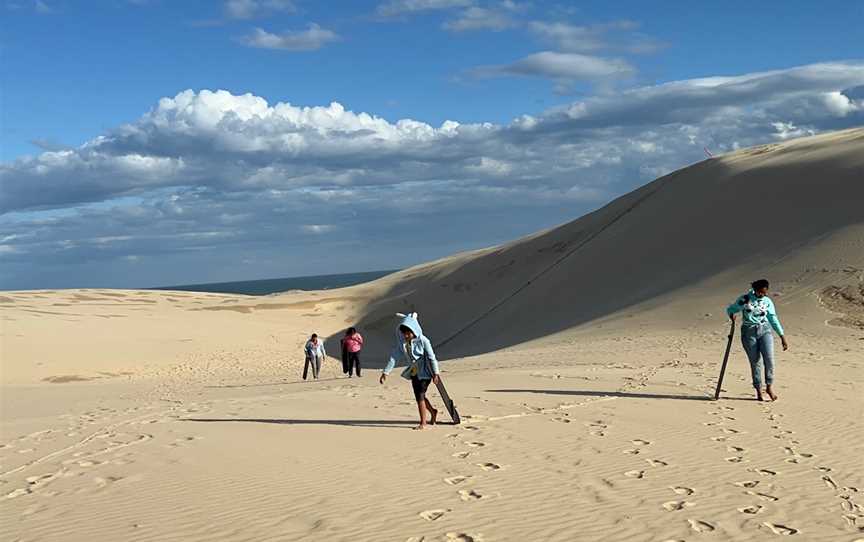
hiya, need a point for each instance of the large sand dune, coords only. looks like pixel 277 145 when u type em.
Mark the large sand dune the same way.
pixel 583 358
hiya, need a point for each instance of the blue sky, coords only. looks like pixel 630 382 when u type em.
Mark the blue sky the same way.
pixel 154 142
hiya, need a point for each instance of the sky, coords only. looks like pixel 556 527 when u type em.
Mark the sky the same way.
pixel 157 142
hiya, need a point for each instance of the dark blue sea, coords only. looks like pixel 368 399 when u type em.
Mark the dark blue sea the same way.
pixel 271 286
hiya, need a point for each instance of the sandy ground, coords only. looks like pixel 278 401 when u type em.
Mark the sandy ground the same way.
pixel 150 415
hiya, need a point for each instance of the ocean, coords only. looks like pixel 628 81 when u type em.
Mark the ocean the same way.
pixel 271 286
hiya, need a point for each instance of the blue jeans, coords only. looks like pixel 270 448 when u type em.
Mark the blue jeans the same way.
pixel 758 342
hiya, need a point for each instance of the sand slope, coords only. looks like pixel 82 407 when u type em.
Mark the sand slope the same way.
pixel 153 416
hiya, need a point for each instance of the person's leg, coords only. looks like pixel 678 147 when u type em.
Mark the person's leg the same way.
pixel 420 387
pixel 316 366
pixel 354 363
pixel 766 348
pixel 434 412
pixel 751 348
pixel 344 360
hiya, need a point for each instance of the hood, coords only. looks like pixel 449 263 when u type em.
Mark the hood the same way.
pixel 411 322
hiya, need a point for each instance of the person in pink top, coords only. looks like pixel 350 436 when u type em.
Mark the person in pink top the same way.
pixel 352 344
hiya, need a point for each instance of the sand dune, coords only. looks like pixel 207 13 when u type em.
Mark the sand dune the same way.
pixel 583 359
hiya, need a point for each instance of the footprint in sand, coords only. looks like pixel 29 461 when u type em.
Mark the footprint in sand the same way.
pixel 764 496
pixel 471 428
pixel 456 480
pixel 736 449
pixel 730 431
pixel 675 506
pixel 794 460
pixel 735 459
pixel 471 495
pixel 562 420
pixel 829 482
pixel 638 474
pixel 752 509
pixel 489 466
pixel 461 455
pixel 776 528
pixel 766 472
pixel 700 526
pixel 748 483
pixel 823 469
pixel 475 444
pixel 633 451
pixel 681 490
pixel 464 537
pixel 432 515
pixel 657 463
pixel 719 439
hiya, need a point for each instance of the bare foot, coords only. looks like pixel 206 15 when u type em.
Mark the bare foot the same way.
pixel 420 427
pixel 759 395
pixel 434 417
pixel 771 393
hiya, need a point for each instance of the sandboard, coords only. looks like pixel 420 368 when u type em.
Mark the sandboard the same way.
pixel 448 403
pixel 725 360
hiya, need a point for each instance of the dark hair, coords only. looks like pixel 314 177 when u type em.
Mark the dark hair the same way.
pixel 759 284
pixel 351 331
pixel 403 328
pixel 314 335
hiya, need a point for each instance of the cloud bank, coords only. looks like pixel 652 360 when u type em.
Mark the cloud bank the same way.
pixel 228 178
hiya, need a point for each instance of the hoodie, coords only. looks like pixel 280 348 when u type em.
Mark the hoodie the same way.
pixel 418 355
pixel 314 349
pixel 756 311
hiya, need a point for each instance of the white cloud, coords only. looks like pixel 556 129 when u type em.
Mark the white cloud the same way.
pixel 561 66
pixel 787 130
pixel 311 39
pixel 402 7
pixel 613 36
pixel 496 17
pixel 318 229
pixel 249 9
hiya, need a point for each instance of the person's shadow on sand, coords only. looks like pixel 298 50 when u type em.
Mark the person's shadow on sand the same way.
pixel 349 423
pixel 590 393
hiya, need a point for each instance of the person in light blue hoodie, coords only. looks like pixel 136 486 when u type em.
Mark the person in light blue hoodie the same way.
pixel 758 318
pixel 415 350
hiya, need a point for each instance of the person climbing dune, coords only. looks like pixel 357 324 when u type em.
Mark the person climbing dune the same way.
pixel 758 319
pixel 415 349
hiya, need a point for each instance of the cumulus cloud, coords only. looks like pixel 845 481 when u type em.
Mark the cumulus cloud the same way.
pixel 216 178
pixel 402 7
pixel 311 39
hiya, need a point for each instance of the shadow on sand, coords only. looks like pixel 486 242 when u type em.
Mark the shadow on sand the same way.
pixel 587 393
pixel 349 423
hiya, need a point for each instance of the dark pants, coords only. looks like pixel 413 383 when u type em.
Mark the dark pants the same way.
pixel 354 362
pixel 344 360
pixel 420 386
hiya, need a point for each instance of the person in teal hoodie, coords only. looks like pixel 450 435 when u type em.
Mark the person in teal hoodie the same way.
pixel 415 350
pixel 758 319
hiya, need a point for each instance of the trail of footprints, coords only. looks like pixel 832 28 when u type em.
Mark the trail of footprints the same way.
pixel 464 494
pixel 98 439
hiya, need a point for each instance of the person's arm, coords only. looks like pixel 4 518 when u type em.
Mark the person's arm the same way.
pixel 736 307
pixel 390 364
pixel 360 339
pixel 775 323
pixel 323 352
pixel 433 361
